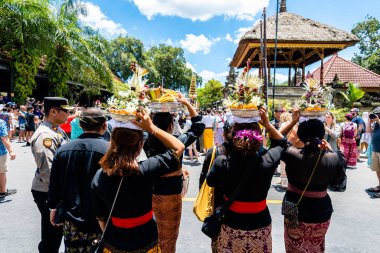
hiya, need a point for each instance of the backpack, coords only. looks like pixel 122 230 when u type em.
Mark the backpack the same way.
pixel 349 131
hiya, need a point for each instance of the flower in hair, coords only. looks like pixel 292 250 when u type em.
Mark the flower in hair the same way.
pixel 249 134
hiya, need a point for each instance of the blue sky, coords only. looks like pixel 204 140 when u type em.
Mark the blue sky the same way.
pixel 209 30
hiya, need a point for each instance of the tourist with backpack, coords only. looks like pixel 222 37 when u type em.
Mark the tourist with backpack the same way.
pixel 349 131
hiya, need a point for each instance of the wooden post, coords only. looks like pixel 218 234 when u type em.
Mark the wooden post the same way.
pixel 303 66
pixel 303 72
pixel 295 75
pixel 321 74
pixel 260 74
pixel 289 74
pixel 269 81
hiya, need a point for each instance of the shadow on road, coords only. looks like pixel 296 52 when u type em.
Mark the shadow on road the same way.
pixel 3 200
pixel 279 188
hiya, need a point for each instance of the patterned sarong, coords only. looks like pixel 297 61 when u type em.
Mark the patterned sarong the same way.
pixel 208 138
pixel 168 210
pixel 75 240
pixel 307 238
pixel 350 151
pixel 242 241
pixel 218 137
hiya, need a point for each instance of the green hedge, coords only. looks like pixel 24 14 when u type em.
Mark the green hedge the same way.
pixel 340 113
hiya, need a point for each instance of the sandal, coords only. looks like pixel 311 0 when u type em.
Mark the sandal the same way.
pixel 376 195
pixel 374 189
pixel 8 192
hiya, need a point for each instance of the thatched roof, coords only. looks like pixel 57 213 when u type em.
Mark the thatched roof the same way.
pixel 294 33
pixel 293 27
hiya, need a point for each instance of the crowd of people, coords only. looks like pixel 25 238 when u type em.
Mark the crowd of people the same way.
pixel 118 186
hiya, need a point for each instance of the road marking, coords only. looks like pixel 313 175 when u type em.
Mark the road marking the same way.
pixel 269 201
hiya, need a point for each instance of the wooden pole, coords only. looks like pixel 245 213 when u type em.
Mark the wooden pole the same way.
pixel 265 57
pixel 303 66
pixel 321 74
pixel 269 81
pixel 295 75
pixel 289 74
pixel 303 72
pixel 260 73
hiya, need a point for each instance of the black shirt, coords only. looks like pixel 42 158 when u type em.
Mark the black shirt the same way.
pixel 226 173
pixel 74 165
pixel 152 146
pixel 134 200
pixel 29 119
pixel 329 172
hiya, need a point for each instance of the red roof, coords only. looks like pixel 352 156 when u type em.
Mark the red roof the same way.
pixel 347 72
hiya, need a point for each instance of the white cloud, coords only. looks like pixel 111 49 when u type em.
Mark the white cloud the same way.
pixel 228 37
pixel 228 60
pixel 281 78
pixel 97 20
pixel 190 66
pixel 195 44
pixel 208 75
pixel 240 32
pixel 200 9
pixel 217 39
pixel 169 42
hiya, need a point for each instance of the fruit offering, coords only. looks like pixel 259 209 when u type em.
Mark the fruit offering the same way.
pixel 245 94
pixel 162 95
pixel 314 99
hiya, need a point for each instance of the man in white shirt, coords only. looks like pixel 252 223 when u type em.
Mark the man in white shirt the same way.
pixel 208 135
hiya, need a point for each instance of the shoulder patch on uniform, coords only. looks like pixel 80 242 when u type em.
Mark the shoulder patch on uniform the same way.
pixel 48 142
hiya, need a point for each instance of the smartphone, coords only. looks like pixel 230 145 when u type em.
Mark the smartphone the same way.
pixel 372 116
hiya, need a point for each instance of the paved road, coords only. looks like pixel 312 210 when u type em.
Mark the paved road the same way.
pixel 354 228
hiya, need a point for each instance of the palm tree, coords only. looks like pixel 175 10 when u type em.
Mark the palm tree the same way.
pixel 76 48
pixel 352 94
pixel 24 38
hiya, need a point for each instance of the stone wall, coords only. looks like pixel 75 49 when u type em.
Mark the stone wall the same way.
pixel 286 92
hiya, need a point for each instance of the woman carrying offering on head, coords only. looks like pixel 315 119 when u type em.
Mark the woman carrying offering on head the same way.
pixel 246 226
pixel 132 227
pixel 311 170
pixel 167 198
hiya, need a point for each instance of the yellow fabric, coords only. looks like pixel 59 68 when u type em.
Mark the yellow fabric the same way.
pixel 204 204
pixel 208 138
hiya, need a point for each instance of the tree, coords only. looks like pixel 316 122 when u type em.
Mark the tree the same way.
pixel 352 94
pixel 24 38
pixel 76 47
pixel 210 94
pixel 124 50
pixel 167 64
pixel 368 31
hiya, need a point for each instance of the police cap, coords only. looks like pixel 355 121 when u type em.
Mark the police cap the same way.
pixel 51 102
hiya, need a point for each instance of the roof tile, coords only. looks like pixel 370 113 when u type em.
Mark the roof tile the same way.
pixel 347 72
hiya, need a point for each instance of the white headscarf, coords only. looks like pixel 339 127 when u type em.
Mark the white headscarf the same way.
pixel 128 124
pixel 235 119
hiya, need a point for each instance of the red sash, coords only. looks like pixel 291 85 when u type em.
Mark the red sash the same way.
pixel 248 207
pixel 132 222
pixel 308 194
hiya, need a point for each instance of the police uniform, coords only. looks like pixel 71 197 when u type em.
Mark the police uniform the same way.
pixel 44 143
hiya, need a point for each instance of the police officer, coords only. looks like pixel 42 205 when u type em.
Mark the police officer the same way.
pixel 45 141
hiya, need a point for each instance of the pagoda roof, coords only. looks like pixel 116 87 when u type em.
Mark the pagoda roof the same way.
pixel 348 71
pixel 297 37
